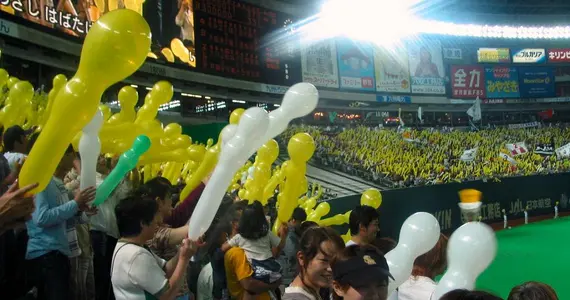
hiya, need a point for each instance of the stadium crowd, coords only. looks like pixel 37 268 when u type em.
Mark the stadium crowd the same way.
pixel 414 157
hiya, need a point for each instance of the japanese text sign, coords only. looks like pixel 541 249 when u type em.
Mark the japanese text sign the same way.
pixel 529 56
pixel 468 81
pixel 559 55
pixel 501 82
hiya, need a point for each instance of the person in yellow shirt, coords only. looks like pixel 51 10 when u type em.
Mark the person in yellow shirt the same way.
pixel 239 281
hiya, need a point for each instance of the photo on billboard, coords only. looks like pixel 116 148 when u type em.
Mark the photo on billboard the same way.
pixel 391 69
pixel 171 22
pixel 426 67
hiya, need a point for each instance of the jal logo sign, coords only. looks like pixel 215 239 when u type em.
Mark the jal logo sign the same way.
pixel 529 56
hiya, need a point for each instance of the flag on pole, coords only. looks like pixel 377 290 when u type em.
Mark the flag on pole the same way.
pixel 475 110
pixel 420 115
pixel 517 148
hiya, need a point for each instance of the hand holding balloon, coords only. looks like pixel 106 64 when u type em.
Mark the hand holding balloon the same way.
pixel 127 162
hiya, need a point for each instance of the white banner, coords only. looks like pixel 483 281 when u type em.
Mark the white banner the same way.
pixel 507 158
pixel 524 125
pixel 319 64
pixel 563 151
pixel 529 56
pixel 469 155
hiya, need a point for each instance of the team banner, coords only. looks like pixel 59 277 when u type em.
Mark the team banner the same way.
pixel 563 151
pixel 501 82
pixel 426 67
pixel 561 55
pixel 319 64
pixel 493 55
pixel 529 56
pixel 536 82
pixel 391 69
pixel 524 125
pixel 544 149
pixel 468 81
pixel 355 65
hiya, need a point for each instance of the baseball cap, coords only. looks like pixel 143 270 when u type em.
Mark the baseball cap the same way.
pixel 13 134
pixel 367 268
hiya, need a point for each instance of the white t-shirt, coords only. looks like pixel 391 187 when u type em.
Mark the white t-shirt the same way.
pixel 259 249
pixel 136 272
pixel 417 288
pixel 205 284
pixel 350 243
pixel 13 157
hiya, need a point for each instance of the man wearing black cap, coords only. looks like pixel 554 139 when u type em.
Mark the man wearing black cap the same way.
pixel 15 145
pixel 361 272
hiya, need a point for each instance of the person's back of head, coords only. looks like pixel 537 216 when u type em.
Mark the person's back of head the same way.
pixel 157 187
pixel 433 262
pixel 384 244
pixel 133 213
pixel 533 290
pixel 253 224
pixel 14 139
pixel 469 295
pixel 299 215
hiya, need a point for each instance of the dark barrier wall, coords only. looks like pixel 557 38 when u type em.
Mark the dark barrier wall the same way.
pixel 540 193
pixel 201 133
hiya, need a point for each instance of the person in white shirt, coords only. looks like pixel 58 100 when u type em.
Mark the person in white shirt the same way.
pixel 185 20
pixel 205 285
pixel 15 141
pixel 421 284
pixel 363 223
pixel 136 272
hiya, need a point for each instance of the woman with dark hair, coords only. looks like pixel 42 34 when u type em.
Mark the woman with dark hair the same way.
pixel 421 285
pixel 166 240
pixel 360 272
pixel 468 295
pixel 318 245
pixel 533 290
pixel 384 244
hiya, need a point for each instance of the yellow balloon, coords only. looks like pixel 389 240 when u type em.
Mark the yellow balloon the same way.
pixel 236 115
pixel 19 95
pixel 301 147
pixel 268 152
pixel 115 47
pixel 371 197
pixel 106 111
pixel 3 77
pixel 322 210
pixel 161 93
pixel 11 81
pixel 347 236
pixel 173 130
pixel 167 53
pixel 206 167
pixel 180 50
pixel 128 97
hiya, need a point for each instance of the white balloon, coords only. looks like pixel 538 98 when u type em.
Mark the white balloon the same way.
pixel 233 155
pixel 299 100
pixel 250 171
pixel 228 133
pixel 418 235
pixel 89 149
pixel 470 250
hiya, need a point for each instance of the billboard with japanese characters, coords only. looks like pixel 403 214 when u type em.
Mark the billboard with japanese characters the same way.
pixel 467 81
pixel 559 55
pixel 529 56
pixel 426 67
pixel 501 82
pixel 391 68
pixel 319 64
pixel 355 65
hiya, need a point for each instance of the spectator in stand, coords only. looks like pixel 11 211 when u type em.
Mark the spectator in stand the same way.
pixel 52 235
pixel 533 290
pixel 136 272
pixel 104 231
pixel 318 246
pixel 469 295
pixel 363 223
pixel 360 272
pixel 288 257
pixel 421 285
pixel 15 141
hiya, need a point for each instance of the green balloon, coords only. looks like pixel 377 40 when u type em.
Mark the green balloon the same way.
pixel 126 163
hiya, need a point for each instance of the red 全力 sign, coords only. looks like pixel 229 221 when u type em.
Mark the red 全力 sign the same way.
pixel 559 55
pixel 468 81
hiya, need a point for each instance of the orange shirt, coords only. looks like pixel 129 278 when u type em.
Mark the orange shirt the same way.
pixel 237 269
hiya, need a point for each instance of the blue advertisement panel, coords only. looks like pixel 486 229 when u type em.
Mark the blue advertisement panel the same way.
pixel 501 82
pixel 355 65
pixel 394 99
pixel 536 82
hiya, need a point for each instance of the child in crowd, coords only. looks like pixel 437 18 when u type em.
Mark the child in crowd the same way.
pixel 260 245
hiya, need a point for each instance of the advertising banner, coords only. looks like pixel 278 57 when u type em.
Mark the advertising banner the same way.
pixel 392 71
pixel 426 67
pixel 529 56
pixel 468 81
pixel 536 82
pixel 319 64
pixel 355 65
pixel 453 53
pixel 394 99
pixel 560 55
pixel 501 82
pixel 493 55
